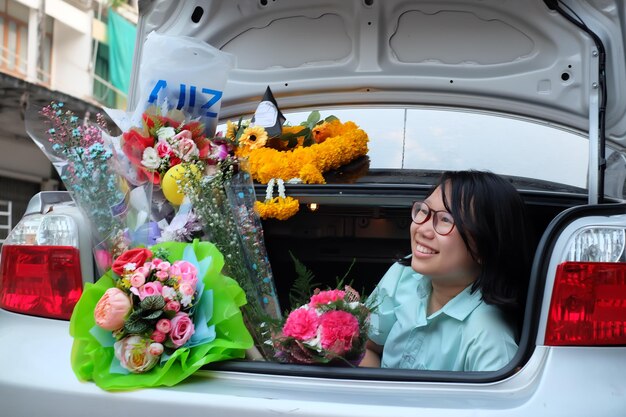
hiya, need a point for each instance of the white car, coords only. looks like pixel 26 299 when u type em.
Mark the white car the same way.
pixel 532 90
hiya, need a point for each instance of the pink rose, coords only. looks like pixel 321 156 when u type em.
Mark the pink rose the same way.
pixel 163 266
pixel 158 336
pixel 325 297
pixel 338 329
pixel 162 275
pixel 137 280
pixel 164 325
pixel 186 289
pixel 155 349
pixel 154 264
pixel 143 270
pixel 134 354
pixel 182 329
pixel 186 270
pixel 151 288
pixel 301 324
pixel 186 148
pixel 172 306
pixel 163 148
pixel 168 293
pixel 112 309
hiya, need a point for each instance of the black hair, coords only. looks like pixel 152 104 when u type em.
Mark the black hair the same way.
pixel 491 218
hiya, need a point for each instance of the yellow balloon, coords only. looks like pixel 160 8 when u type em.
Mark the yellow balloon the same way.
pixel 172 190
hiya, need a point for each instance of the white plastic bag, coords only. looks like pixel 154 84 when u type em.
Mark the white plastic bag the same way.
pixel 185 74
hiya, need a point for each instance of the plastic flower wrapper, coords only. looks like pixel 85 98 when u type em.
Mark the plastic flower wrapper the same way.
pixel 169 129
pixel 85 162
pixel 158 316
pixel 330 329
pixel 224 199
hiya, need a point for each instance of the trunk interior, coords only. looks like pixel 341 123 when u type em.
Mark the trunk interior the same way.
pixel 363 240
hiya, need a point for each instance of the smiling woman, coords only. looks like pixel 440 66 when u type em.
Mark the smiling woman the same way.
pixel 453 304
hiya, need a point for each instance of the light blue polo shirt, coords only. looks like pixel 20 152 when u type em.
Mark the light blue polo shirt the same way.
pixel 465 335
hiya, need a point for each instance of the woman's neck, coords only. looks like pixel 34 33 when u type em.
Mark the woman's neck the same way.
pixel 441 294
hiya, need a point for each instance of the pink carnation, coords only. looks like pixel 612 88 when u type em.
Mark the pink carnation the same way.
pixel 325 297
pixel 301 324
pixel 339 328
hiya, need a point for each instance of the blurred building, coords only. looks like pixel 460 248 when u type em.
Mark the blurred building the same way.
pixel 75 51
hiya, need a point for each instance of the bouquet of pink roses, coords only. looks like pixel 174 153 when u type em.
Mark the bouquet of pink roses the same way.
pixel 157 316
pixel 150 308
pixel 330 329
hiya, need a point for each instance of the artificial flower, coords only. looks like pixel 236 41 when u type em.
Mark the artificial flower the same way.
pixel 150 159
pixel 112 309
pixel 136 257
pixel 253 137
pixel 182 329
pixel 134 353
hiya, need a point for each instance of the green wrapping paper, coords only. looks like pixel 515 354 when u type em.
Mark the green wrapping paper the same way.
pixel 92 362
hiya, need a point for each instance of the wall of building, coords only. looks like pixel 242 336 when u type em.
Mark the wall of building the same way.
pixel 24 169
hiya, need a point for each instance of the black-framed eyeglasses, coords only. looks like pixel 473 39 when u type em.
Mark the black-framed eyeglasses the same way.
pixel 443 222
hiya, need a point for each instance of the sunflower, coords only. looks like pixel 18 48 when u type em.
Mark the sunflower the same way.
pixel 230 129
pixel 253 137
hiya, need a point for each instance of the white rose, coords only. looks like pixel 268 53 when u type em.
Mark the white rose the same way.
pixel 150 159
pixel 165 133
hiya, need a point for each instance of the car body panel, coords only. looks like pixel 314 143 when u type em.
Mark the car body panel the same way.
pixel 519 58
pixel 358 53
pixel 37 385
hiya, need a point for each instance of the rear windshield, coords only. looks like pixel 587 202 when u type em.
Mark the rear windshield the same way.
pixel 429 139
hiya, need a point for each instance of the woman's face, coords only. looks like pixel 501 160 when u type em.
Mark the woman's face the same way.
pixel 444 259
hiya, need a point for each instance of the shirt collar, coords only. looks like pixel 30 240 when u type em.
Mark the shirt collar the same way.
pixel 459 307
pixel 463 304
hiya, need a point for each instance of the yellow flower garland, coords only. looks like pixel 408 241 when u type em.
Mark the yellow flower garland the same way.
pixel 269 160
pixel 344 142
pixel 280 208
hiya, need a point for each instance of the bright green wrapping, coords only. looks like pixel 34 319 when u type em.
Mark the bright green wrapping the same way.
pixel 91 361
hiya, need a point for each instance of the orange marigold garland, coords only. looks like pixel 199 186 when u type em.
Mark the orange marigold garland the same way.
pixel 301 154
pixel 342 143
pixel 280 207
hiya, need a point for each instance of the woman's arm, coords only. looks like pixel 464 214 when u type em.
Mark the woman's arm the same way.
pixel 372 355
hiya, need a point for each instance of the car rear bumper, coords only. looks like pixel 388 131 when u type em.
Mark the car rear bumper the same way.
pixel 36 379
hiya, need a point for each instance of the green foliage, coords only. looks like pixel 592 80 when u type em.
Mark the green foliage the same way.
pixel 309 124
pixel 303 284
pixel 145 315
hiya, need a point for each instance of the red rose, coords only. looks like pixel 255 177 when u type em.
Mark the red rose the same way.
pixel 137 256
pixel 134 143
pixel 148 120
pixel 167 121
pixel 195 127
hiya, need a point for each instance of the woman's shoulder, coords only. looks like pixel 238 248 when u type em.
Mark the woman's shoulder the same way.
pixel 487 319
pixel 398 273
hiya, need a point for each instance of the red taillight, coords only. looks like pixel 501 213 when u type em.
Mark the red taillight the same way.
pixel 588 305
pixel 40 280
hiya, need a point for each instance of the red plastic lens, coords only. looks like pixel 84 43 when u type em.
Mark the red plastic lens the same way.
pixel 588 306
pixel 40 280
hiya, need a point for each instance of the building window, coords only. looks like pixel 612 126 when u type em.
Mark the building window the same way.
pixel 14 41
